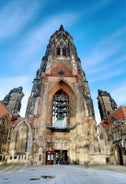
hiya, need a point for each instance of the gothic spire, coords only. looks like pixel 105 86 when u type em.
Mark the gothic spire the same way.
pixel 61 28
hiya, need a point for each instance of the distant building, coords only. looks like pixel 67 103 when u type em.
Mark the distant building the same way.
pixel 106 104
pixel 112 129
pixel 15 138
pixel 115 126
pixel 13 100
pixel 5 118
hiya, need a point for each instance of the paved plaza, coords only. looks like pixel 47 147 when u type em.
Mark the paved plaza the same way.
pixel 62 174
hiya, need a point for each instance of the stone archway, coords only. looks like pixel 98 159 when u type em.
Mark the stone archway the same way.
pixel 21 139
pixel 66 89
pixel 118 155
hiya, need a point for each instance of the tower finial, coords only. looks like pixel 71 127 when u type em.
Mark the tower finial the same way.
pixel 61 28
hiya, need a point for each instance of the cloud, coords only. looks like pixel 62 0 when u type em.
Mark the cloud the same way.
pixel 106 48
pixel 97 114
pixel 94 7
pixel 24 103
pixel 15 15
pixel 119 94
pixel 107 65
pixel 36 39
pixel 8 83
pixel 28 50
pixel 106 60
pixel 106 75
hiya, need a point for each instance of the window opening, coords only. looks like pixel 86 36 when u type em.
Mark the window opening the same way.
pixel 64 51
pixel 58 51
pixel 60 109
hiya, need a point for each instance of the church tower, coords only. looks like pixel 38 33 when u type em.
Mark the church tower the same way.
pixel 61 106
pixel 13 100
pixel 106 104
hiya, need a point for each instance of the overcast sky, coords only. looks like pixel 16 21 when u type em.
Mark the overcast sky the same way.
pixel 97 26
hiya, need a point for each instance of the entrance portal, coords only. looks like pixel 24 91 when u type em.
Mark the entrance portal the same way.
pixel 50 157
pixel 61 157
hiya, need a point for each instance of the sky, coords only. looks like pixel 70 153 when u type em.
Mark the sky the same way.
pixel 98 28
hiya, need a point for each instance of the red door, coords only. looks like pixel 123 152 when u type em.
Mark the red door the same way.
pixel 50 156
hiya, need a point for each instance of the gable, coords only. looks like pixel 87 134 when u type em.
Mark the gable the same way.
pixel 60 70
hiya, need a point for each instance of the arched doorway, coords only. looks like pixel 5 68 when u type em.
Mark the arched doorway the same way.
pixel 118 155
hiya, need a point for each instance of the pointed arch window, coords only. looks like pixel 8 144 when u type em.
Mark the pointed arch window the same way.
pixel 21 139
pixel 64 51
pixel 60 109
pixel 58 51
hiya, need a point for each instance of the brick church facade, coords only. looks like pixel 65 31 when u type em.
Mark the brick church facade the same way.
pixel 59 125
pixel 61 104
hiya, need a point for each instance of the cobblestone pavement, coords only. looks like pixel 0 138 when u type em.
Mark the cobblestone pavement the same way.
pixel 62 174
